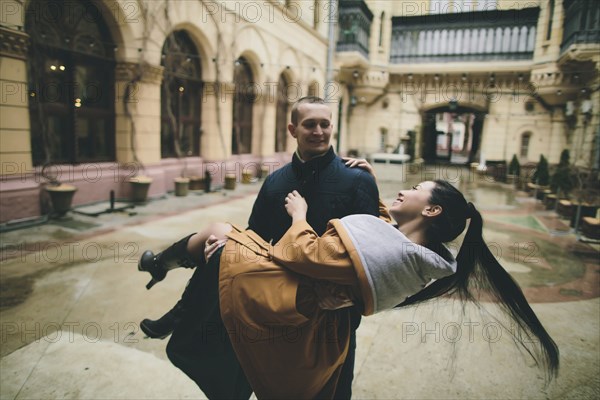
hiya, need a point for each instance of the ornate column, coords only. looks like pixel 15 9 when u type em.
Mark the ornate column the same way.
pixel 15 141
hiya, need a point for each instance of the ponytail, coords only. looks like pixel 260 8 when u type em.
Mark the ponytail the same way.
pixel 478 270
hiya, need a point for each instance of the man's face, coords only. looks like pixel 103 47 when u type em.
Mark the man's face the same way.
pixel 313 131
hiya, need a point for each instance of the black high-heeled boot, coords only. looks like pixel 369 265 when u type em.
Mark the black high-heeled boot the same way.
pixel 174 256
pixel 164 326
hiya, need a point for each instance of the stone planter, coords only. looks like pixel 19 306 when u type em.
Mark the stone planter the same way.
pixel 590 227
pixel 585 210
pixel 564 208
pixel 197 183
pixel 246 177
pixel 531 188
pixel 550 201
pixel 264 172
pixel 182 186
pixel 230 181
pixel 139 188
pixel 61 197
pixel 542 192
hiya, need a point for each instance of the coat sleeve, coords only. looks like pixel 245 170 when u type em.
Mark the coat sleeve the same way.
pixel 259 217
pixel 366 196
pixel 325 258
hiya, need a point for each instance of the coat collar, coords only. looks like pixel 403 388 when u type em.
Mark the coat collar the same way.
pixel 317 163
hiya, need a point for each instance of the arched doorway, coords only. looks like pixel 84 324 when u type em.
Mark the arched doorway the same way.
pixel 452 134
pixel 281 115
pixel 180 97
pixel 71 83
pixel 243 102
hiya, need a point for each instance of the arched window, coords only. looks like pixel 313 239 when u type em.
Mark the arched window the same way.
pixel 525 139
pixel 531 39
pixel 243 101
pixel 180 95
pixel 467 41
pixel 481 41
pixel 383 139
pixel 506 40
pixel 381 23
pixel 429 43
pixel 71 83
pixel 451 37
pixel 499 39
pixel 523 39
pixel 421 43
pixel 281 115
pixel 458 44
pixel 435 49
pixel 443 42
pixel 489 45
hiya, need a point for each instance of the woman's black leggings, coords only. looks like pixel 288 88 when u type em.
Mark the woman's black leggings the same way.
pixel 200 345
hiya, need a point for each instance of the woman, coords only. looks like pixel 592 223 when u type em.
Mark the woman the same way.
pixel 275 300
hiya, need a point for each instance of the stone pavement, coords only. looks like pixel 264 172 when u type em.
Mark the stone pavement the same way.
pixel 71 299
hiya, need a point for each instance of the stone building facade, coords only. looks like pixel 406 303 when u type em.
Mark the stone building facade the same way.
pixel 101 90
pixel 525 71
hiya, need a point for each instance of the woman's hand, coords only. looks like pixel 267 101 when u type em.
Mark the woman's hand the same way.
pixel 361 163
pixel 296 206
pixel 211 245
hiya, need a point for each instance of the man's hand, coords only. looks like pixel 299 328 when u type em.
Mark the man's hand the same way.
pixel 296 206
pixel 361 163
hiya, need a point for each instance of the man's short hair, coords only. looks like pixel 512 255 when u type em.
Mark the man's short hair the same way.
pixel 304 100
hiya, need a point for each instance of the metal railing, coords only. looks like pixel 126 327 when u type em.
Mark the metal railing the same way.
pixel 354 31
pixel 582 23
pixel 473 36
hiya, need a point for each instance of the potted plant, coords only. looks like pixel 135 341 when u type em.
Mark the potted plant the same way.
pixel 61 194
pixel 182 186
pixel 139 188
pixel 230 180
pixel 196 183
pixel 562 180
pixel 514 170
pixel 182 182
pixel 541 177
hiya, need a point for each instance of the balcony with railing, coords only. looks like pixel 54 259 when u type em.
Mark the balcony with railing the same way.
pixel 354 21
pixel 464 37
pixel 582 23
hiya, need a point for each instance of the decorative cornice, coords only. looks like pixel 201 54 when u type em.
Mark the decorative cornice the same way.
pixel 130 71
pixel 13 44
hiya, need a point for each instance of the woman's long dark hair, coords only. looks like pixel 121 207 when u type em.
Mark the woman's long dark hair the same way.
pixel 478 269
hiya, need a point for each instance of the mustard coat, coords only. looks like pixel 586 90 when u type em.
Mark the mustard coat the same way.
pixel 271 296
pixel 288 347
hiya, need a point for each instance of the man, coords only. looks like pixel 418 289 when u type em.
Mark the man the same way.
pixel 331 189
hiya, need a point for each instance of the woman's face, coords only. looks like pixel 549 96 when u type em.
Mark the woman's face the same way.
pixel 411 203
